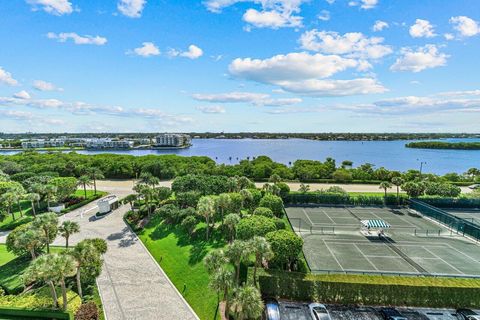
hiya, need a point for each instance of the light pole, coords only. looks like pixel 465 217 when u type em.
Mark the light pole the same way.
pixel 421 165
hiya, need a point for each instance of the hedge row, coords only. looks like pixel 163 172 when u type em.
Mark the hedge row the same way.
pixel 86 201
pixel 471 203
pixel 414 292
pixel 345 199
pixel 35 314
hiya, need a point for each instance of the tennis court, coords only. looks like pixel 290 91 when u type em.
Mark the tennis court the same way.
pixel 471 215
pixel 412 245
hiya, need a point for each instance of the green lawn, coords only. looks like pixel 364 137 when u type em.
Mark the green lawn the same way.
pixel 9 224
pixel 181 257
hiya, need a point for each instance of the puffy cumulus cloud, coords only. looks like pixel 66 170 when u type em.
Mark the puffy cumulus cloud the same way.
pixel 131 8
pixel 22 95
pixel 334 88
pixel 465 26
pixel 273 14
pixel 77 39
pixel 425 57
pixel 352 44
pixel 7 78
pixel 380 25
pixel 257 99
pixel 422 29
pixel 211 109
pixel 42 85
pixel 292 66
pixel 55 7
pixel 364 4
pixel 16 114
pixel 147 49
pixel 193 52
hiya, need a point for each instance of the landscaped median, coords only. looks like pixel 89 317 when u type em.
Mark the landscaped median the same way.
pixel 371 289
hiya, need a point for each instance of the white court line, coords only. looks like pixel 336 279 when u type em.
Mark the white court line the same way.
pixel 367 243
pixel 366 258
pixel 333 222
pixel 398 257
pixel 334 256
pixel 466 255
pixel 306 215
pixel 433 254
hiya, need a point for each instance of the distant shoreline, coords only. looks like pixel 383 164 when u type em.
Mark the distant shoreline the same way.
pixel 444 145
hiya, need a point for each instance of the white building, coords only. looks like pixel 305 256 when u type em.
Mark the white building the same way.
pixel 172 140
pixel 34 144
pixel 108 144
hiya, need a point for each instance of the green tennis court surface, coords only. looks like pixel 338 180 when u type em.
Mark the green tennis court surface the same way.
pixel 471 215
pixel 414 245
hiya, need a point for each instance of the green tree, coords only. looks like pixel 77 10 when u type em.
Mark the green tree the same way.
pixel 255 225
pixel 274 203
pixel 304 188
pixel 262 250
pixel 189 223
pixel 85 255
pixel 222 281
pixel 342 175
pixel 50 193
pixel 43 270
pixel 286 246
pixel 95 174
pixel 275 178
pixel 48 223
pixel 414 189
pixel 28 239
pixel 385 185
pixel 397 181
pixel 206 209
pixel 7 200
pixel 231 221
pixel 236 203
pixel 63 266
pixel 33 198
pixel 237 251
pixel 223 204
pixel 65 186
pixel 67 228
pixel 85 181
pixel 214 260
pixel 262 211
pixel 247 303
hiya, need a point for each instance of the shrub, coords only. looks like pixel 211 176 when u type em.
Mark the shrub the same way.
pixel 280 224
pixel 274 203
pixel 252 226
pixel 284 188
pixel 336 189
pixel 342 175
pixel 187 199
pixel 169 212
pixel 262 211
pixel 87 311
pixel 286 246
pixel 189 224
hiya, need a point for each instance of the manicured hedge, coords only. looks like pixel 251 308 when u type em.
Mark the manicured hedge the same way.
pixel 471 203
pixel 86 201
pixel 35 314
pixel 371 290
pixel 340 198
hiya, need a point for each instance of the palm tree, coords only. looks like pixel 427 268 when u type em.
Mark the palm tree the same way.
pixel 48 223
pixel 261 247
pixel 19 195
pixel 64 266
pixel 85 181
pixel 50 193
pixel 84 253
pixel 247 197
pixel 223 203
pixel 95 174
pixel 397 181
pixel 247 303
pixel 206 209
pixel 31 240
pixel 222 281
pixel 385 185
pixel 214 260
pixel 41 269
pixel 148 179
pixel 67 228
pixel 33 198
pixel 8 199
pixel 304 188
pixel 237 252
pixel 40 189
pixel 231 221
pixel 275 178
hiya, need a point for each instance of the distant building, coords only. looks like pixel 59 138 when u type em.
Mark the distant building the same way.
pixel 35 144
pixel 108 144
pixel 172 140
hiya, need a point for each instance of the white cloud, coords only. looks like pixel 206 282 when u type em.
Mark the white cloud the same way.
pixel 334 88
pixel 211 109
pixel 324 15
pixel 465 26
pixel 6 78
pixel 273 14
pixel 364 4
pixel 423 58
pixel 422 29
pixel 77 39
pixel 131 8
pixel 16 114
pixel 22 95
pixel 56 7
pixel 147 49
pixel 380 25
pixel 45 86
pixel 257 99
pixel 353 44
pixel 330 1
pixel 193 52
pixel 449 36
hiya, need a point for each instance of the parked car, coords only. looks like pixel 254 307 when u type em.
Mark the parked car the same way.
pixel 467 314
pixel 272 310
pixel 475 186
pixel 391 314
pixel 319 311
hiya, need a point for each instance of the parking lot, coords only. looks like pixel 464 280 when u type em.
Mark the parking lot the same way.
pixel 300 311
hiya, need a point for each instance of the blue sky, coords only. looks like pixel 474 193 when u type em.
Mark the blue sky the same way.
pixel 239 65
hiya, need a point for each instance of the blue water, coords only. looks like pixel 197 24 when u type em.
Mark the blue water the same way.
pixel 390 154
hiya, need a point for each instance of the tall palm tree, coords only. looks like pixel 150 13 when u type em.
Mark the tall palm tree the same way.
pixel 84 253
pixel 247 303
pixel 50 193
pixel 33 198
pixel 48 223
pixel 237 252
pixel 385 185
pixel 214 260
pixel 85 181
pixel 397 181
pixel 41 269
pixel 222 281
pixel 247 197
pixel 262 250
pixel 231 221
pixel 223 203
pixel 8 199
pixel 31 240
pixel 64 266
pixel 19 193
pixel 67 228
pixel 206 209
pixel 95 174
